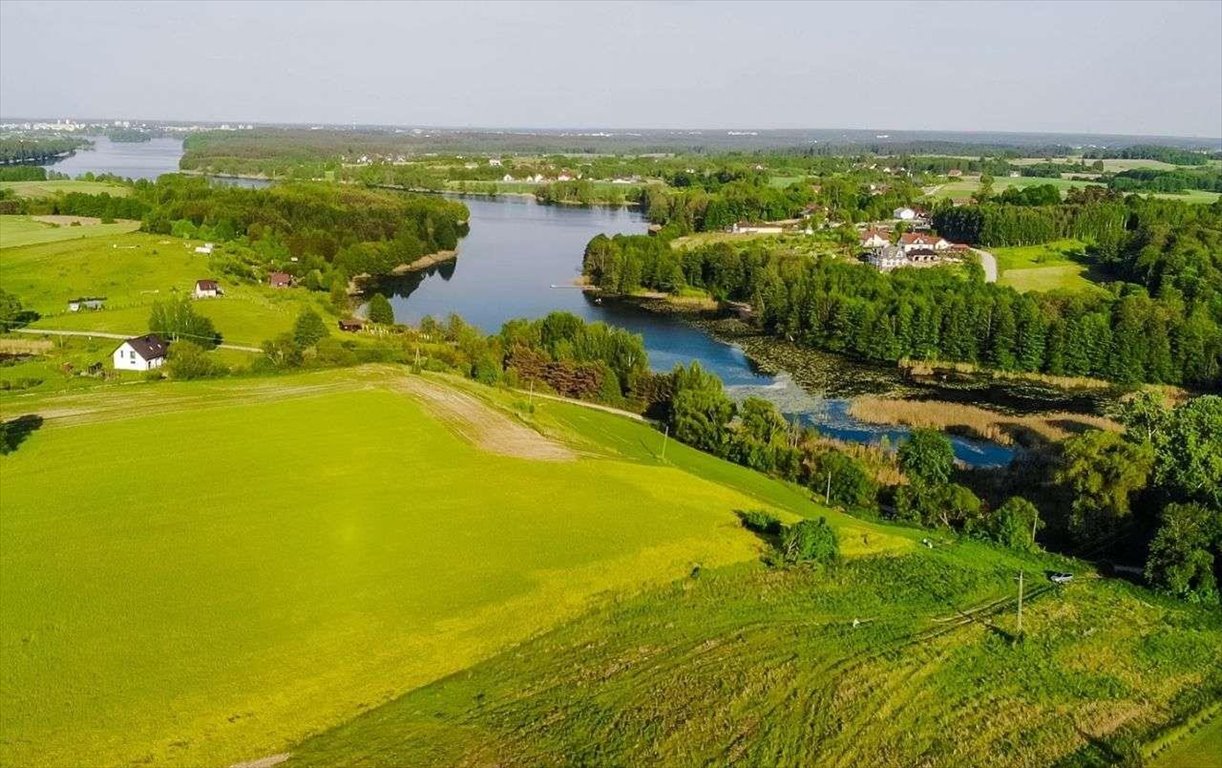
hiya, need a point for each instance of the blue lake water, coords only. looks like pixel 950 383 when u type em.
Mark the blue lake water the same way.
pixel 520 260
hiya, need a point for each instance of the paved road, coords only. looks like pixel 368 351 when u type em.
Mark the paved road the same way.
pixel 989 262
pixel 100 335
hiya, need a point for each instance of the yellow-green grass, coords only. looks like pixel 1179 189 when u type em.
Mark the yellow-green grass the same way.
pixel 1111 165
pixel 198 573
pixel 1196 196
pixel 22 230
pixel 1043 267
pixel 1201 748
pixel 895 661
pixel 132 271
pixel 62 186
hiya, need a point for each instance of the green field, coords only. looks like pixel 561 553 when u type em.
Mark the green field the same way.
pixel 200 573
pixel 1202 748
pixel 132 271
pixel 60 186
pixel 961 190
pixel 16 231
pixel 1044 267
pixel 894 661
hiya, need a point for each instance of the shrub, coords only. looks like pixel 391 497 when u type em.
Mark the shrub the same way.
pixel 380 310
pixel 187 360
pixel 810 541
pixel 759 521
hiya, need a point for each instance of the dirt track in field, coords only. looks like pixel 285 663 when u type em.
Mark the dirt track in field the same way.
pixel 482 425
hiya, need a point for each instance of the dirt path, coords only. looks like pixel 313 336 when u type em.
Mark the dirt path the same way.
pixel 482 425
pixel 101 335
pixel 989 262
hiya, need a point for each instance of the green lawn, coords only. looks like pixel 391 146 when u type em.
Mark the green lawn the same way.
pixel 1043 267
pixel 132 271
pixel 61 186
pixel 200 573
pixel 16 231
pixel 1201 748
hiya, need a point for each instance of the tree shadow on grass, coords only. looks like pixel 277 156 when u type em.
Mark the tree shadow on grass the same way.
pixel 15 431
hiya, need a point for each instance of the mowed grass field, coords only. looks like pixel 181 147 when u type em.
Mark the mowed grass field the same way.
pixel 55 187
pixel 22 230
pixel 132 271
pixel 1043 267
pixel 200 573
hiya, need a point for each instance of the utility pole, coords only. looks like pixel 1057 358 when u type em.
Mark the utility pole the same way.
pixel 665 439
pixel 827 497
pixel 531 399
pixel 1020 603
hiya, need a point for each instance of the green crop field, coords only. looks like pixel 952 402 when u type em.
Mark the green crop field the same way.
pixel 1043 267
pixel 201 573
pixel 16 231
pixel 132 271
pixel 961 190
pixel 61 186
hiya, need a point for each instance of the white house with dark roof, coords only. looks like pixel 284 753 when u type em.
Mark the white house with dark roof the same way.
pixel 207 289
pixel 142 353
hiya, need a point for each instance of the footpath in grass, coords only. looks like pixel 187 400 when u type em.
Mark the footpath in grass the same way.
pixel 200 573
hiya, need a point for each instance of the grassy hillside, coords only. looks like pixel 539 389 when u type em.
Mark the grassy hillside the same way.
pixel 199 573
pixel 23 230
pixel 132 271
pixel 891 661
pixel 54 187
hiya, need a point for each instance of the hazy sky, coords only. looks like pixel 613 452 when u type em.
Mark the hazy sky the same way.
pixel 1098 67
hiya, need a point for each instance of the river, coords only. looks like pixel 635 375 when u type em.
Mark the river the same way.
pixel 520 260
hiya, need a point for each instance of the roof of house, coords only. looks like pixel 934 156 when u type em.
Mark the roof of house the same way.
pixel 918 238
pixel 277 278
pixel 872 233
pixel 150 346
pixel 206 285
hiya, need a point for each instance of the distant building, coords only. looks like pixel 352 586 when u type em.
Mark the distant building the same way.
pixel 874 238
pixel 743 228
pixel 351 325
pixel 904 214
pixel 205 249
pixel 507 178
pixel 142 353
pixel 915 241
pixel 280 280
pixel 76 305
pixel 207 289
pixel 888 257
pixel 495 162
pixel 954 173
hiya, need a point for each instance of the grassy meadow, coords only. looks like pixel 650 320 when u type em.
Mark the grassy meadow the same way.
pixel 53 187
pixel 1045 267
pixel 132 271
pixel 16 231
pixel 199 573
pixel 883 661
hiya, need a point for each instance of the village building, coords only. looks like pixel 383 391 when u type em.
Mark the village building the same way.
pixel 280 280
pixel 142 353
pixel 904 214
pixel 743 228
pixel 495 162
pixel 874 238
pixel 207 289
pixel 888 258
pixel 915 241
pixel 76 305
pixel 351 325
pixel 205 249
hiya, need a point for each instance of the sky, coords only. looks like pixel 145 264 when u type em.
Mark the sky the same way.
pixel 1094 67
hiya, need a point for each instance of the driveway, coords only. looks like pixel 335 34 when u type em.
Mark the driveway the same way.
pixel 989 262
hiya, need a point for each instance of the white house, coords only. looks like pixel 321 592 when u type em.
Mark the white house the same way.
pixel 76 305
pixel 143 353
pixel 903 214
pixel 507 178
pixel 919 241
pixel 206 248
pixel 873 238
pixel 495 162
pixel 888 257
pixel 207 289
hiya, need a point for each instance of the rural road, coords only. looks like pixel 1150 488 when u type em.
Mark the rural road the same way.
pixel 989 262
pixel 120 336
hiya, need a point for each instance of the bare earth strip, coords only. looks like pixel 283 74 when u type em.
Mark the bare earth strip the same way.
pixel 482 425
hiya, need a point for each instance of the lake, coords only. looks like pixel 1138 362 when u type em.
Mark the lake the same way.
pixel 520 260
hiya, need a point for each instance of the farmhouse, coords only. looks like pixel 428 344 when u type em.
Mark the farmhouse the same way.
pixel 142 353
pixel 76 305
pixel 743 228
pixel 904 214
pixel 888 257
pixel 280 280
pixel 207 289
pixel 351 325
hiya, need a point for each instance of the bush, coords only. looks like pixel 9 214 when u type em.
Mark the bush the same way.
pixel 810 541
pixel 759 521
pixel 380 310
pixel 309 329
pixel 186 360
